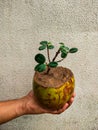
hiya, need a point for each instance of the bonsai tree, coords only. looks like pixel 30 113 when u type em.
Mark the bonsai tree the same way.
pixel 53 85
pixel 41 60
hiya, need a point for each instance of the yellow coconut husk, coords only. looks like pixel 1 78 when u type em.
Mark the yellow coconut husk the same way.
pixel 54 89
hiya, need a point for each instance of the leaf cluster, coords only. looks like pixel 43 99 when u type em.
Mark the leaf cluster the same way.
pixel 41 60
pixel 65 50
pixel 45 44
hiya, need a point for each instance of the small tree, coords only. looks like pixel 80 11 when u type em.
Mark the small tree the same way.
pixel 41 60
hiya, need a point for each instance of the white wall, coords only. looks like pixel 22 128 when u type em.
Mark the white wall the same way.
pixel 23 24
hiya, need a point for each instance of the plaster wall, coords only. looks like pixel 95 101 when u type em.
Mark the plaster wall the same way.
pixel 23 24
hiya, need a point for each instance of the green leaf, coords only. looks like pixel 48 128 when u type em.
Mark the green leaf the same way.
pixel 53 64
pixel 42 47
pixel 40 58
pixel 62 44
pixel 50 47
pixel 66 48
pixel 40 67
pixel 63 55
pixel 73 50
pixel 63 50
pixel 49 43
pixel 44 43
pixel 36 67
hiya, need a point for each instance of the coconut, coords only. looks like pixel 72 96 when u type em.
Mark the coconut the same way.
pixel 54 89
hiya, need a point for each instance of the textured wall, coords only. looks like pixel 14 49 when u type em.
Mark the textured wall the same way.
pixel 23 24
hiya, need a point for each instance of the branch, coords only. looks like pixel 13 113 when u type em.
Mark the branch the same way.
pixel 56 55
pixel 48 70
pixel 48 54
pixel 60 60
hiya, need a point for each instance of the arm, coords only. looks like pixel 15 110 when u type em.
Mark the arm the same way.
pixel 25 105
pixel 10 110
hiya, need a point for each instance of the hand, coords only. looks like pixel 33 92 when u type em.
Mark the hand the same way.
pixel 32 107
pixel 12 109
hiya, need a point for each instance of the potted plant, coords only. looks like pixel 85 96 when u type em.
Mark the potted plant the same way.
pixel 53 85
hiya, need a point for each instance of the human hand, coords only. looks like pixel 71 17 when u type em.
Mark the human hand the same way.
pixel 30 105
pixel 12 109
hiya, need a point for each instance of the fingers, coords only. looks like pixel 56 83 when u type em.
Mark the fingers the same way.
pixel 74 94
pixel 67 105
pixel 60 110
pixel 71 100
pixel 43 110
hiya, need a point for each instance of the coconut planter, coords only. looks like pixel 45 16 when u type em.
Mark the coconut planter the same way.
pixel 54 89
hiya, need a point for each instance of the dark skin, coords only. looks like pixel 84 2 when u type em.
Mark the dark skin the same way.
pixel 26 105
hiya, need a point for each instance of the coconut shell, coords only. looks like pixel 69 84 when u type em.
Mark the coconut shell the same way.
pixel 54 89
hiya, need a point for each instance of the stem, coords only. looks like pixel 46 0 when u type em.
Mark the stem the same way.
pixel 48 70
pixel 48 54
pixel 56 55
pixel 52 59
pixel 60 60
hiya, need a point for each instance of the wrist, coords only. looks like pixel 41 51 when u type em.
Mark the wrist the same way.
pixel 24 107
pixel 21 107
